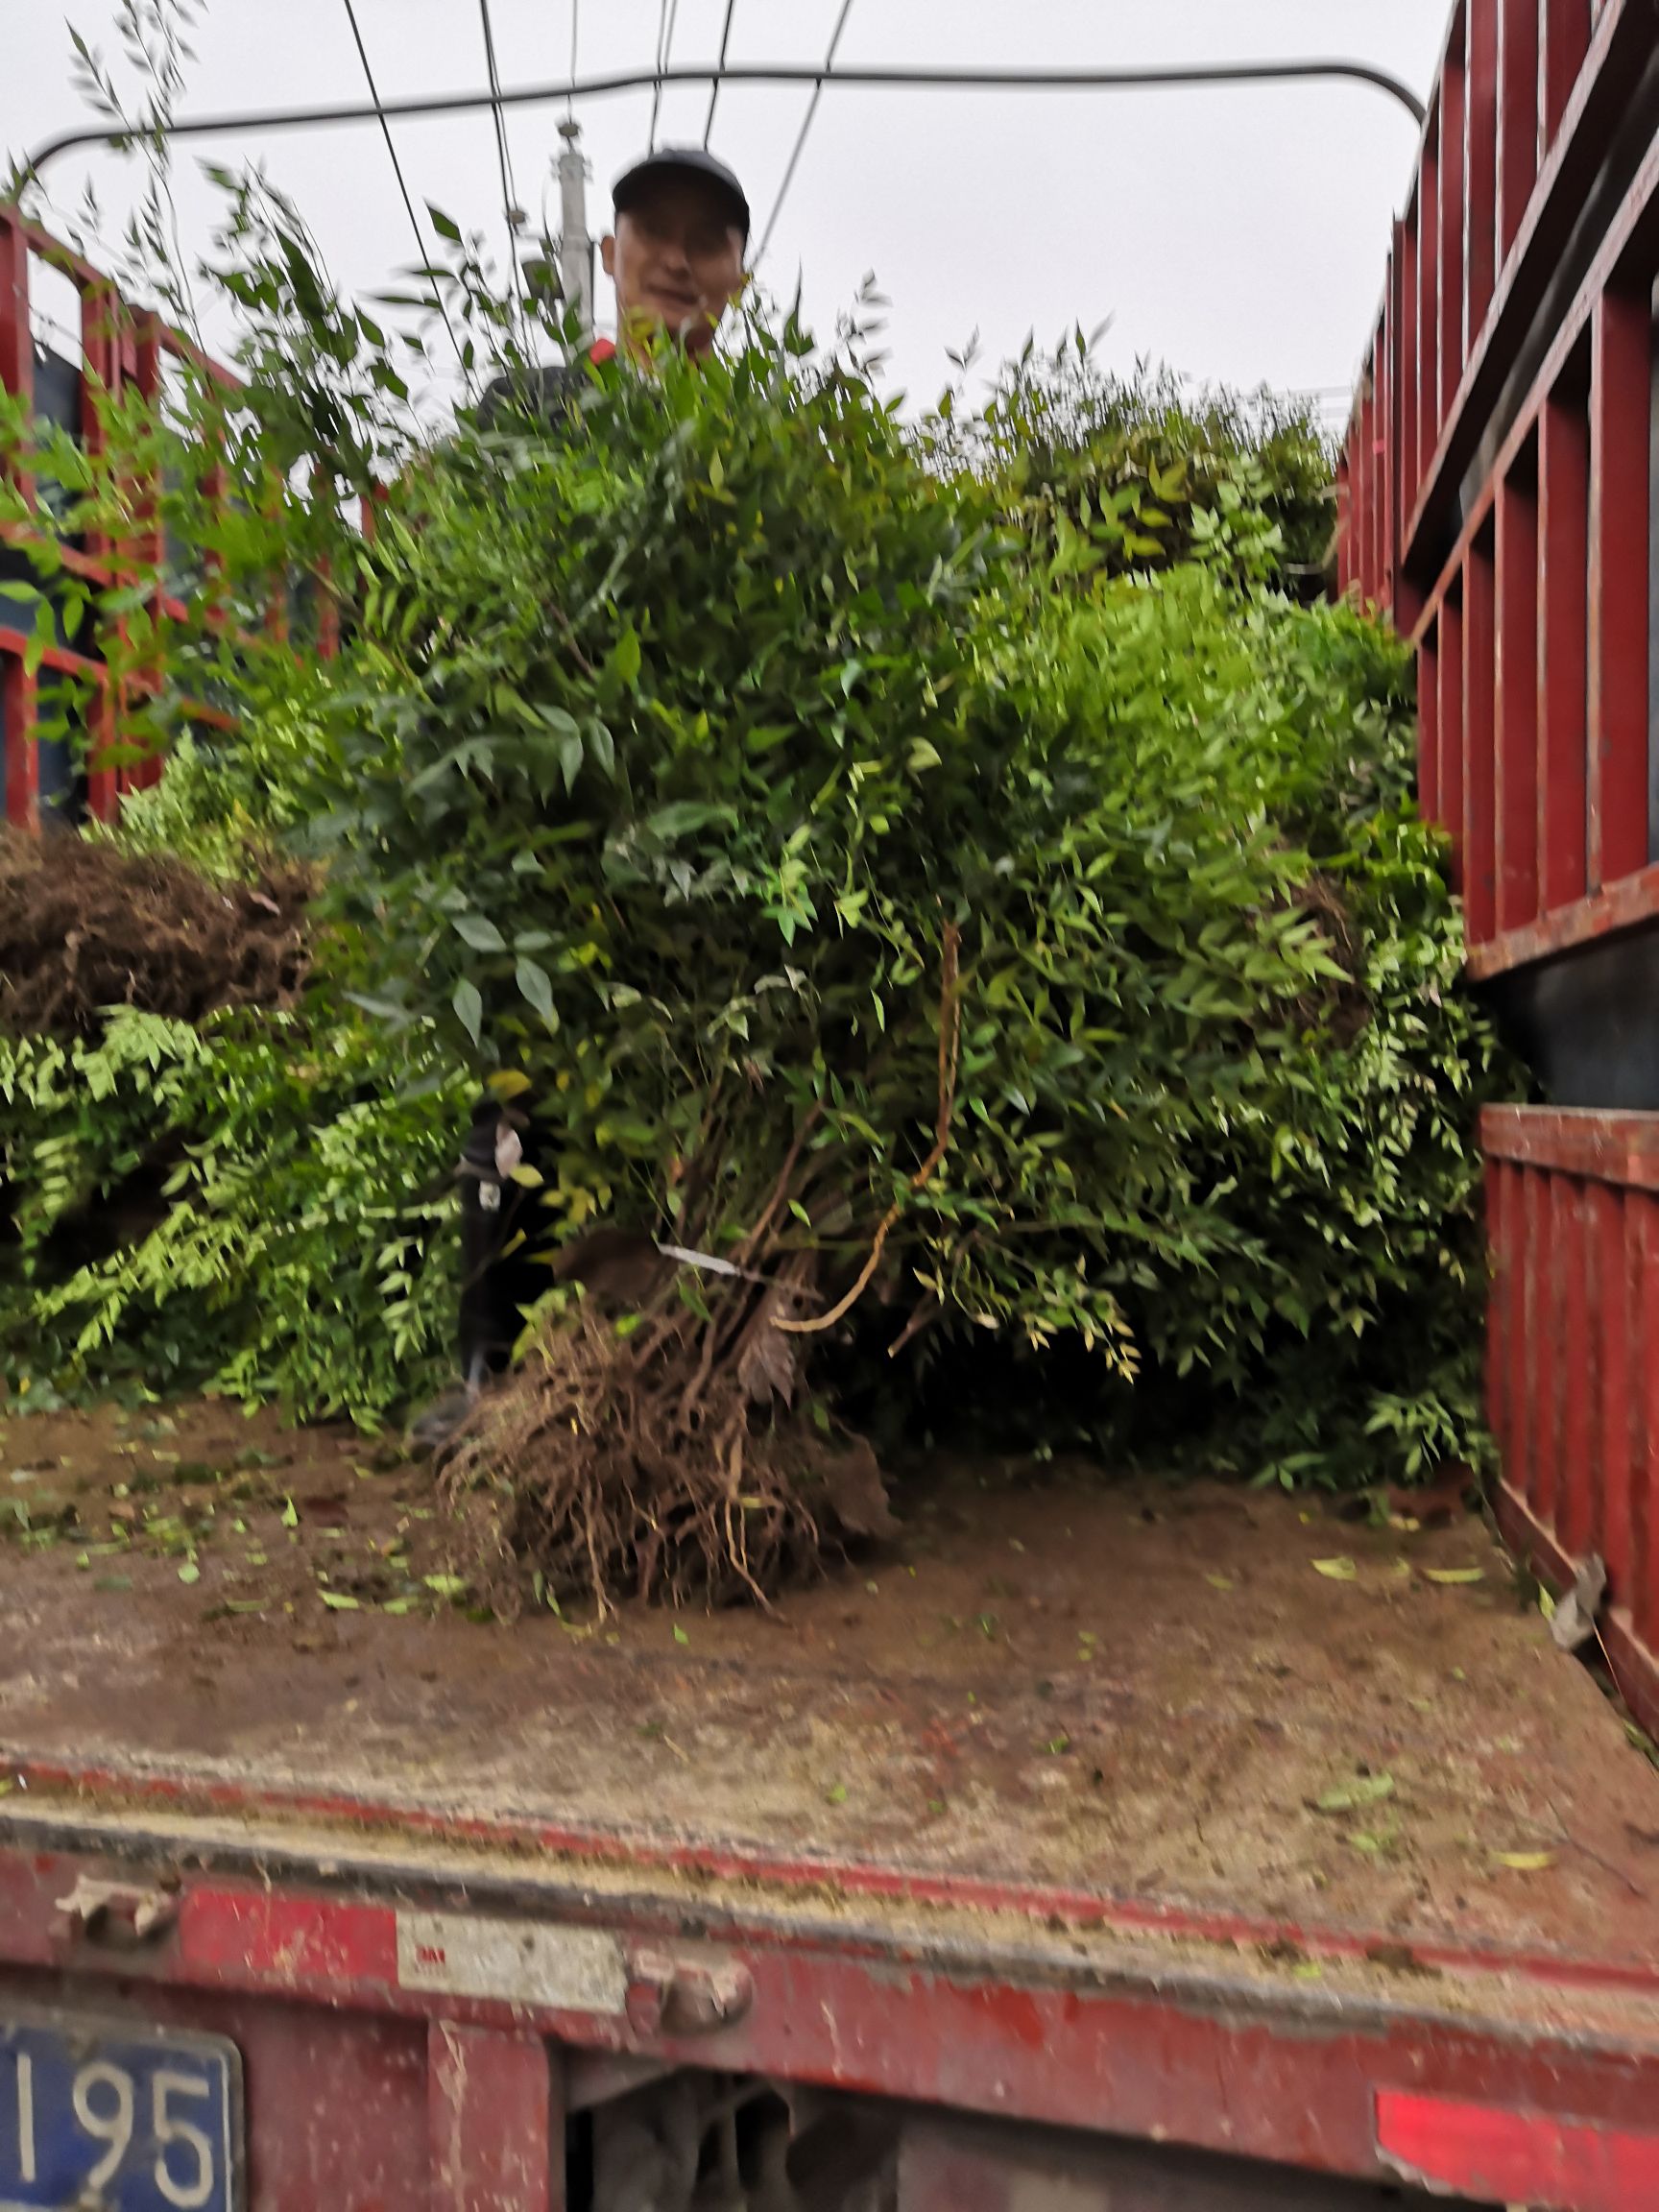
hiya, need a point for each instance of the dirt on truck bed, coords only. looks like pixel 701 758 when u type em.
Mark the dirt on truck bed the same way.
pixel 1210 1700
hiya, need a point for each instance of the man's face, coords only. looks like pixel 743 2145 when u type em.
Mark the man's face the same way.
pixel 677 261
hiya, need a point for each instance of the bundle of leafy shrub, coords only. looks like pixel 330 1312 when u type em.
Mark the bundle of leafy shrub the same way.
pixel 257 1203
pixel 1136 474
pixel 953 960
pixel 970 947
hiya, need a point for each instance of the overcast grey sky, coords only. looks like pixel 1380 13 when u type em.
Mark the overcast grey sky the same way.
pixel 1238 235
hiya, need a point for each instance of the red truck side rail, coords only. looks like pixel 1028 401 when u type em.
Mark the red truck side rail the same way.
pixel 1497 496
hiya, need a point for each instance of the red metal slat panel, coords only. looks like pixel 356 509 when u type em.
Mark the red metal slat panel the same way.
pixel 1516 709
pixel 1429 728
pixel 17 351
pixel 1644 1416
pixel 1387 432
pixel 21 773
pixel 1562 1196
pixel 1621 405
pixel 1500 1213
pixel 103 784
pixel 1616 1231
pixel 1449 321
pixel 1535 1396
pixel 1367 477
pixel 1479 689
pixel 1644 1420
pixel 1595 1145
pixel 1563 633
pixel 1480 165
pixel 1451 718
pixel 1566 40
pixel 1401 447
pixel 1533 2157
pixel 1620 48
pixel 1519 1322
pixel 1427 382
pixel 495 2147
pixel 1344 518
pixel 1574 1505
pixel 1517 117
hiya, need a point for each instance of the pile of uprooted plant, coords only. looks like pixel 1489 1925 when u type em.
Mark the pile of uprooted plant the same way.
pixel 952 937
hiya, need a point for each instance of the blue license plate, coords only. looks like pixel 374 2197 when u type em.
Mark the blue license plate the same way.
pixel 108 2113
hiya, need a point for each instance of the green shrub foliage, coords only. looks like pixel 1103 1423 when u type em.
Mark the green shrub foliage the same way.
pixel 261 1204
pixel 937 869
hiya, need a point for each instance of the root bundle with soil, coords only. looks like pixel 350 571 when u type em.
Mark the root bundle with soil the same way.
pixel 84 926
pixel 643 1465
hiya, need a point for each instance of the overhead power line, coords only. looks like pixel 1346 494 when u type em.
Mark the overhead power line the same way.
pixel 801 134
pixel 503 159
pixel 232 123
pixel 715 88
pixel 665 22
pixel 422 253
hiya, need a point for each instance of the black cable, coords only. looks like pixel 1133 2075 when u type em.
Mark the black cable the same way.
pixel 801 134
pixel 715 88
pixel 1128 80
pixel 665 22
pixel 421 254
pixel 503 160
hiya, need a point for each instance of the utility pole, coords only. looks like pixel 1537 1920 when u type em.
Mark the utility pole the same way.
pixel 575 246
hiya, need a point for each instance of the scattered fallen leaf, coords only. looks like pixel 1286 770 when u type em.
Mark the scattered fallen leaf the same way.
pixel 1375 1844
pixel 1455 1573
pixel 340 1601
pixel 1336 1569
pixel 1219 1581
pixel 1364 1790
pixel 290 1514
pixel 837 1795
pixel 681 1637
pixel 189 1572
pixel 1525 1862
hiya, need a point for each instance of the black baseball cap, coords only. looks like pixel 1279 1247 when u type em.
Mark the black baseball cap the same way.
pixel 682 161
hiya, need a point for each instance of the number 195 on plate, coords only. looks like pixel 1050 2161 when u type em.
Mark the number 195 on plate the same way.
pixel 113 2114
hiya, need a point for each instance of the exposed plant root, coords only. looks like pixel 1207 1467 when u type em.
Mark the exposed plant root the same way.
pixel 646 1465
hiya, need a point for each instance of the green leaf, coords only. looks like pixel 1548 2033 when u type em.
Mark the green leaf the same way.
pixel 481 933
pixel 537 986
pixel 625 656
pixel 468 1004
pixel 1364 1790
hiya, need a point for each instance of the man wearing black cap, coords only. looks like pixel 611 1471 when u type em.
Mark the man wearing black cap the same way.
pixel 676 254
pixel 676 258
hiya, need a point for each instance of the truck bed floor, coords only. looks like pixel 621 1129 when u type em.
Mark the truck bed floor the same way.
pixel 1204 1709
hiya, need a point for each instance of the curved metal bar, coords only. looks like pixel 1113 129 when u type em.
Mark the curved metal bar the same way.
pixel 636 81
